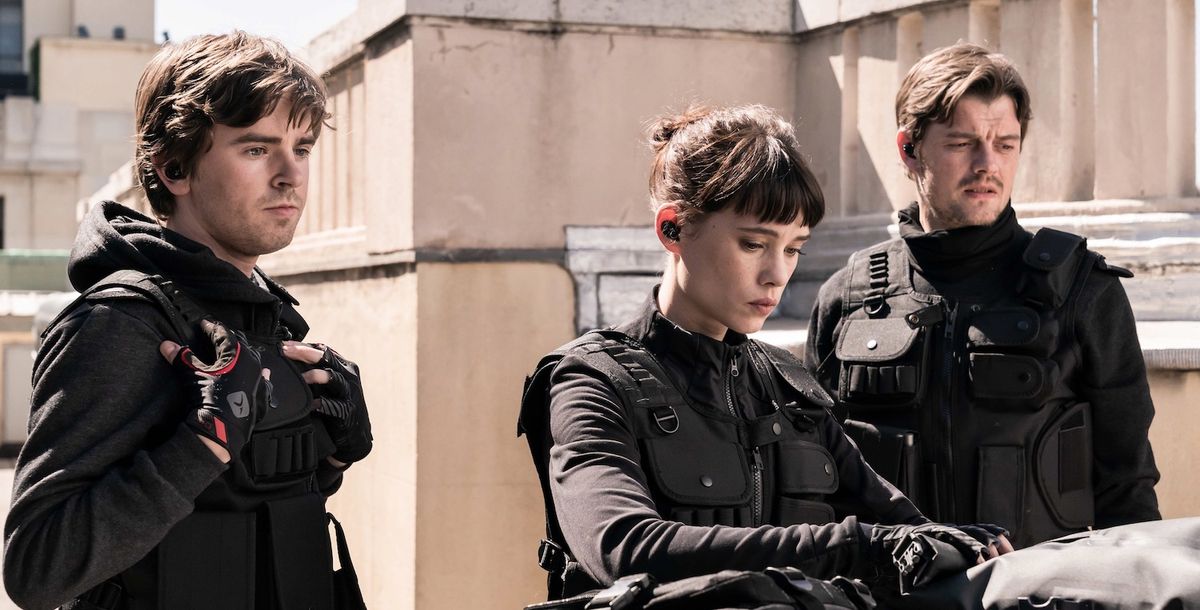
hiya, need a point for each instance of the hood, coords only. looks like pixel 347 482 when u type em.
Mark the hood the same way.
pixel 113 237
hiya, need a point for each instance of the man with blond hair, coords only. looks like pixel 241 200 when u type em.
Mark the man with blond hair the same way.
pixel 991 374
pixel 182 441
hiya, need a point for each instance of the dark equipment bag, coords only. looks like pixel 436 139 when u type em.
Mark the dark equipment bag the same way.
pixel 771 589
pixel 1151 565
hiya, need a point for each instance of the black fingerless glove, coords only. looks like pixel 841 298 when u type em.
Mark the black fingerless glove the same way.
pixel 341 404
pixel 986 534
pixel 228 395
pixel 922 553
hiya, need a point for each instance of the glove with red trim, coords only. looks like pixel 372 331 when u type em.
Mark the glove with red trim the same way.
pixel 229 394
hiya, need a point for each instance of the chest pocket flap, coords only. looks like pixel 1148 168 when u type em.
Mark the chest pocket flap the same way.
pixel 881 362
pixel 875 340
pixel 806 468
pixel 1015 326
pixel 717 475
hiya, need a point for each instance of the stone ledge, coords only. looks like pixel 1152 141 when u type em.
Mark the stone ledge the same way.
pixel 1166 345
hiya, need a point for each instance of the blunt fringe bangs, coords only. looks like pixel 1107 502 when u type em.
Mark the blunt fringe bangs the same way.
pixel 233 79
pixel 706 160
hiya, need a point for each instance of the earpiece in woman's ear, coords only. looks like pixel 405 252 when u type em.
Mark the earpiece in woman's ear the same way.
pixel 670 230
pixel 173 171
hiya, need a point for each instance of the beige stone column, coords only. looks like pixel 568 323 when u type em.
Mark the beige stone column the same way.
pixel 880 181
pixel 983 22
pixel 1057 162
pixel 820 119
pixel 910 29
pixel 1138 143
pixel 851 144
pixel 1181 98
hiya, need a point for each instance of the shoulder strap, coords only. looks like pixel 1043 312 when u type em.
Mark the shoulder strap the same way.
pixel 533 422
pixel 1052 260
pixel 1103 265
pixel 639 383
pixel 794 373
pixel 180 309
pixel 876 273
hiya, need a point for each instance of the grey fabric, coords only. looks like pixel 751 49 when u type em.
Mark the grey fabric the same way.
pixel 1142 565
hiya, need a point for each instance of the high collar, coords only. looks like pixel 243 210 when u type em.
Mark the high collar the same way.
pixel 696 362
pixel 113 237
pixel 665 337
pixel 956 254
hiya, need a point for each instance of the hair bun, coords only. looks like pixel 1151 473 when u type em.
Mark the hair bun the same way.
pixel 665 127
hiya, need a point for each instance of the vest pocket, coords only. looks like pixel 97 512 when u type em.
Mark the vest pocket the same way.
pixel 806 468
pixel 793 511
pixel 883 363
pixel 1011 381
pixel 717 476
pixel 1001 491
pixel 1064 467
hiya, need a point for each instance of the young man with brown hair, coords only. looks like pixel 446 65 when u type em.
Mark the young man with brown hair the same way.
pixel 161 476
pixel 991 374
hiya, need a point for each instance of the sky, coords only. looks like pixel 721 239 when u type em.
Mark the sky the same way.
pixel 294 22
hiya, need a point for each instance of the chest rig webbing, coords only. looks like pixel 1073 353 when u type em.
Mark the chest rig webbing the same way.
pixel 705 466
pixel 266 507
pixel 968 405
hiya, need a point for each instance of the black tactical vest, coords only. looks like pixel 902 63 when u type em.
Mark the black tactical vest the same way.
pixel 968 405
pixel 266 506
pixel 705 466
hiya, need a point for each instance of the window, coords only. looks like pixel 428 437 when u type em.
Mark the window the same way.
pixel 11 37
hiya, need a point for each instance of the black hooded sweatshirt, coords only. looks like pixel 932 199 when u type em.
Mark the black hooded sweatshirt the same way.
pixel 108 468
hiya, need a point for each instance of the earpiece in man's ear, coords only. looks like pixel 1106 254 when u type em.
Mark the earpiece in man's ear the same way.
pixel 173 171
pixel 910 150
pixel 670 230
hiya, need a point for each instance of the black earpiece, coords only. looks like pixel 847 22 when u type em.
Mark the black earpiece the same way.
pixel 173 171
pixel 910 150
pixel 670 230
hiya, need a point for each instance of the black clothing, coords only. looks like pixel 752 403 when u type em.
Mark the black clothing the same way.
pixel 108 470
pixel 978 367
pixel 625 489
pixel 956 255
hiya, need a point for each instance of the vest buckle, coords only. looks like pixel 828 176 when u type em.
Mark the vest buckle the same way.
pixel 666 419
pixel 874 304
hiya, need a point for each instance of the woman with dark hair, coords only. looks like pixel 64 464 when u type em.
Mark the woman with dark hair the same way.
pixel 677 446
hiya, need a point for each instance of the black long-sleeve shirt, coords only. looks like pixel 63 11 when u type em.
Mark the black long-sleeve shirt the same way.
pixel 606 506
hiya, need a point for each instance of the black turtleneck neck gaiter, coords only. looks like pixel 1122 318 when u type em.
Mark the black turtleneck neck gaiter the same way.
pixel 955 255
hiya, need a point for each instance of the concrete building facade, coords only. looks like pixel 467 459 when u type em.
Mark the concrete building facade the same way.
pixel 483 197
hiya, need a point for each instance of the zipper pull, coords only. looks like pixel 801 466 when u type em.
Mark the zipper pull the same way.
pixel 758 464
pixel 733 369
pixel 774 405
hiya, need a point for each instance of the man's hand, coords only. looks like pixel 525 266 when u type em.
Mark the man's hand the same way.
pixel 338 393
pixel 922 553
pixel 228 394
